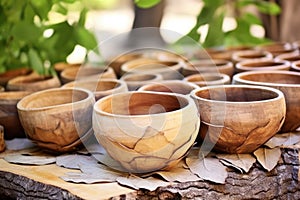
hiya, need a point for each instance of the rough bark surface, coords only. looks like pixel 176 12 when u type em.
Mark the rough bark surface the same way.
pixel 280 183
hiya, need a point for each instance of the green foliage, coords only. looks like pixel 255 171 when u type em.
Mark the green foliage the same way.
pixel 213 13
pixel 22 34
pixel 146 3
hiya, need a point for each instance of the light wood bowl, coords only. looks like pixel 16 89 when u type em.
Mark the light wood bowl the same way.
pixel 9 118
pixel 262 64
pixel 33 82
pixel 56 119
pixel 135 81
pixel 169 69
pixel 208 66
pixel 286 81
pixel 291 57
pixel 146 131
pixel 239 118
pixel 239 56
pixel 86 72
pixel 170 86
pixel 295 66
pixel 206 79
pixel 277 48
pixel 100 88
pixel 10 74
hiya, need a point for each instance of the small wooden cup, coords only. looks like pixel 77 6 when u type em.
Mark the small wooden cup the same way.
pixel 239 118
pixel 260 65
pixel 135 81
pixel 56 119
pixel 206 79
pixel 250 55
pixel 10 74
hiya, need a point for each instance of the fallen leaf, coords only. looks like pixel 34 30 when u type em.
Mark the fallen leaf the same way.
pixel 19 144
pixel 228 164
pixel 268 158
pixel 285 139
pixel 179 173
pixel 73 161
pixel 94 148
pixel 29 151
pixel 136 182
pixel 242 161
pixel 208 168
pixel 78 177
pixel 29 159
pixel 105 159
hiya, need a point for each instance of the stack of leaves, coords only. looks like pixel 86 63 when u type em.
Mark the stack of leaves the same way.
pixel 95 166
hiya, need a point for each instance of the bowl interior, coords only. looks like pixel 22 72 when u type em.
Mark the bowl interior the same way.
pixel 150 65
pixel 210 77
pixel 83 71
pixel 172 87
pixel 236 94
pixel 272 78
pixel 49 98
pixel 140 77
pixel 102 85
pixel 262 64
pixel 141 103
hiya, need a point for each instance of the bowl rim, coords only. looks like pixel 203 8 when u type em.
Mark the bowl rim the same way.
pixel 189 100
pixel 156 77
pixel 237 78
pixel 168 83
pixel 224 78
pixel 32 95
pixel 284 65
pixel 279 96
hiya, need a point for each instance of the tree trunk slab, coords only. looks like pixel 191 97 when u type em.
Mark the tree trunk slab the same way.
pixel 280 183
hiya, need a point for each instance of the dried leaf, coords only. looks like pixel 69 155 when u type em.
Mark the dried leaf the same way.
pixel 136 182
pixel 8 152
pixel 241 161
pixel 92 149
pixel 268 158
pixel 285 139
pixel 74 161
pixel 19 143
pixel 228 164
pixel 78 177
pixel 108 161
pixel 208 168
pixel 179 174
pixel 30 159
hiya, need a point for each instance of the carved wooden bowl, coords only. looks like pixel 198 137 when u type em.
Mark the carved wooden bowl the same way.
pixel 277 48
pixel 262 64
pixel 10 74
pixel 56 119
pixel 135 81
pixel 206 79
pixel 100 88
pixel 286 81
pixel 169 69
pixel 208 66
pixel 86 72
pixel 171 86
pixel 239 118
pixel 296 66
pixel 291 57
pixel 33 82
pixel 146 131
pixel 9 118
pixel 239 56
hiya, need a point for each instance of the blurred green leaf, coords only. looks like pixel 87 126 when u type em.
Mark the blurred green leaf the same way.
pixel 263 6
pixel 26 31
pixel 82 17
pixel 86 39
pixel 146 3
pixel 251 18
pixel 215 34
pixel 41 8
pixel 35 61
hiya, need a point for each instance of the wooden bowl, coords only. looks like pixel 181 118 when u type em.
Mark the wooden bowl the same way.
pixel 59 67
pixel 256 65
pixel 100 88
pixel 146 131
pixel 291 57
pixel 206 79
pixel 286 81
pixel 10 74
pixel 2 141
pixel 295 66
pixel 135 81
pixel 208 66
pixel 239 56
pixel 9 118
pixel 116 62
pixel 168 69
pixel 2 89
pixel 277 48
pixel 56 119
pixel 239 118
pixel 85 72
pixel 170 86
pixel 33 82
